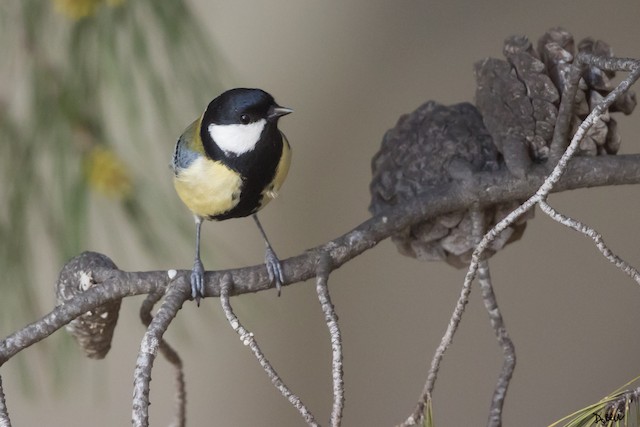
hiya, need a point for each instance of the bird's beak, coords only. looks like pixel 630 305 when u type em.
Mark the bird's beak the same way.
pixel 277 111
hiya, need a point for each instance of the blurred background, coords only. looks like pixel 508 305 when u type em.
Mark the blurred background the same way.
pixel 93 95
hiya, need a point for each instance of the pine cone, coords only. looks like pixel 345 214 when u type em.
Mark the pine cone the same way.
pixel 94 329
pixel 519 98
pixel 430 147
pixel 517 101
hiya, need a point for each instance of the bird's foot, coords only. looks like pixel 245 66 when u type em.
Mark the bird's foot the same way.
pixel 197 281
pixel 274 268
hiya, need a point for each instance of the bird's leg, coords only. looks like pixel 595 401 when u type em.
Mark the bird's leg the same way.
pixel 197 274
pixel 274 269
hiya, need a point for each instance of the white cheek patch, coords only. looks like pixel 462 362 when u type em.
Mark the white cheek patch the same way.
pixel 237 139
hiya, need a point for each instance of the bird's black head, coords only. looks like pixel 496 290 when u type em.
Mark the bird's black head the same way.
pixel 243 106
pixel 240 120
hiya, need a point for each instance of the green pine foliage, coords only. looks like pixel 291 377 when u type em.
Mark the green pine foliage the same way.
pixel 89 106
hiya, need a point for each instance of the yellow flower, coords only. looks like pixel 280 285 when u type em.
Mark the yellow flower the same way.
pixel 107 174
pixel 78 9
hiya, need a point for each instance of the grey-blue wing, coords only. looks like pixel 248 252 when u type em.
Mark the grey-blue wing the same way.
pixel 183 156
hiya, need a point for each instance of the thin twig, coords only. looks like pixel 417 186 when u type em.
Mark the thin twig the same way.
pixel 595 236
pixel 247 339
pixel 497 323
pixel 330 316
pixel 508 349
pixel 180 419
pixel 608 63
pixel 175 297
pixel 5 421
pixel 417 416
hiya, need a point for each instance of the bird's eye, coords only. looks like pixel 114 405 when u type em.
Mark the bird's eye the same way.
pixel 245 119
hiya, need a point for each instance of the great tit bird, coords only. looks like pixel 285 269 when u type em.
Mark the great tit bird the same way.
pixel 229 163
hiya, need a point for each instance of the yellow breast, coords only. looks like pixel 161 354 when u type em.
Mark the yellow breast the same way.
pixel 208 188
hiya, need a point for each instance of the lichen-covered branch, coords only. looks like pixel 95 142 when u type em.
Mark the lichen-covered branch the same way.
pixel 5 421
pixel 247 339
pixel 578 226
pixel 499 328
pixel 172 357
pixel 331 318
pixel 175 297
pixel 114 285
pixel 508 349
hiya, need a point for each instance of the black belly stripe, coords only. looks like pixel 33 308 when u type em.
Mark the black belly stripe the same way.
pixel 257 167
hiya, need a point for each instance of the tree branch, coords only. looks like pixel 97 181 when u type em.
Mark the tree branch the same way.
pixel 172 357
pixel 485 189
pixel 175 297
pixel 5 421
pixel 247 339
pixel 497 323
pixel 114 284
pixel 330 316
pixel 508 349
pixel 578 226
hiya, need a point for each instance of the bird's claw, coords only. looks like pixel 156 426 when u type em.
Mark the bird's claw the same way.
pixel 274 268
pixel 197 281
